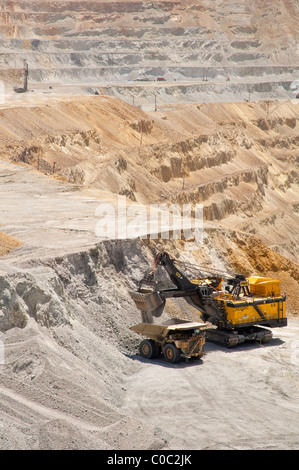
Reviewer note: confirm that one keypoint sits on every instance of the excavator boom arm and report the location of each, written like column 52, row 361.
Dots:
column 151, row 301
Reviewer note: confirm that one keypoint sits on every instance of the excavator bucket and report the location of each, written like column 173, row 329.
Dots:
column 148, row 301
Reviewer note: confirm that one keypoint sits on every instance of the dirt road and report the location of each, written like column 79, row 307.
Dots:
column 241, row 398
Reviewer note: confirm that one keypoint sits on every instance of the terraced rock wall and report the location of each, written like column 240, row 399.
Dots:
column 100, row 41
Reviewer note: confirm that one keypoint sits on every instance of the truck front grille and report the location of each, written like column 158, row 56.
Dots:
column 194, row 346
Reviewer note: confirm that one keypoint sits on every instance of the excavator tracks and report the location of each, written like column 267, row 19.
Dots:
column 230, row 339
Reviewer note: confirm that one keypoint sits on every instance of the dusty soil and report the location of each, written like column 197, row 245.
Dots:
column 241, row 399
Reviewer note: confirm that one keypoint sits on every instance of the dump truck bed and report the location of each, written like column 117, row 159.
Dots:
column 159, row 332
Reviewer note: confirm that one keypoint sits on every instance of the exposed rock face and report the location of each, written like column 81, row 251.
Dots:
column 98, row 41
column 239, row 160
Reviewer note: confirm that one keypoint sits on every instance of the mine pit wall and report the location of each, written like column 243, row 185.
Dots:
column 122, row 41
column 207, row 92
column 56, row 292
column 65, row 326
column 211, row 163
column 257, row 178
column 80, row 68
column 202, row 93
column 65, row 323
column 91, row 287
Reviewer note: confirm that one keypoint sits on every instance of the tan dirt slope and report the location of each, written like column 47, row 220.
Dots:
column 7, row 243
column 237, row 159
column 72, row 378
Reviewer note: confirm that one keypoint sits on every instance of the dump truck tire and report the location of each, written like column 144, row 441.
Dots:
column 158, row 350
column 171, row 353
column 147, row 349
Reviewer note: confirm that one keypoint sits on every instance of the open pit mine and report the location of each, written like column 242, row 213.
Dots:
column 114, row 115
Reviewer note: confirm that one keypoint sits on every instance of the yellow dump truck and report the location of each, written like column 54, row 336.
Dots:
column 176, row 340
